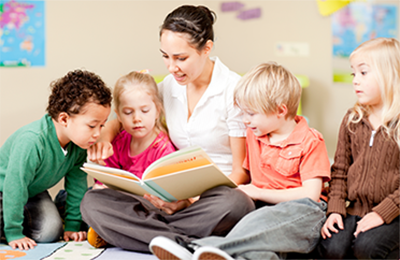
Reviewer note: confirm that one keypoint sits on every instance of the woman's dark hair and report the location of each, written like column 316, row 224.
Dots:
column 71, row 92
column 196, row 21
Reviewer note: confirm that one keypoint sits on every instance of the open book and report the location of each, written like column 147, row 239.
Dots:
column 180, row 175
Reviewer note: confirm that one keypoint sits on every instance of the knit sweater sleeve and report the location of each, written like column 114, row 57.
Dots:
column 388, row 209
column 23, row 161
column 338, row 184
column 76, row 187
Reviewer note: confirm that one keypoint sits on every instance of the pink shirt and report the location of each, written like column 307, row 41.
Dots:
column 137, row 164
column 301, row 156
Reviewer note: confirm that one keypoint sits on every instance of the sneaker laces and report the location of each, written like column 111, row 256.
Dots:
column 191, row 247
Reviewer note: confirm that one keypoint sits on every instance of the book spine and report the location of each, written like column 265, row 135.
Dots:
column 163, row 194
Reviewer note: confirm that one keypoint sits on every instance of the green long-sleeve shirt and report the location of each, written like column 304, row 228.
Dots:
column 32, row 161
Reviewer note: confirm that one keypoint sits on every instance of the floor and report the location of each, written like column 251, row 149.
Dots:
column 70, row 251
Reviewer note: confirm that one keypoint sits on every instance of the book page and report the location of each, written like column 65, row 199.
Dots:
column 123, row 183
column 167, row 169
column 110, row 170
column 189, row 183
column 184, row 155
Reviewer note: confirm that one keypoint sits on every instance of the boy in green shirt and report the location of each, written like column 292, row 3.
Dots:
column 38, row 155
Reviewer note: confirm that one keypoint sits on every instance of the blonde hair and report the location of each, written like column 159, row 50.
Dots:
column 383, row 56
column 267, row 86
column 144, row 82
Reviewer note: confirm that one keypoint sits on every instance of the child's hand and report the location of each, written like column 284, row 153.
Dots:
column 98, row 186
column 168, row 207
column 368, row 222
column 76, row 236
column 100, row 151
column 251, row 191
column 25, row 243
column 333, row 219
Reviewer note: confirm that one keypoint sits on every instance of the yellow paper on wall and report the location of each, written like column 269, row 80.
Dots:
column 328, row 7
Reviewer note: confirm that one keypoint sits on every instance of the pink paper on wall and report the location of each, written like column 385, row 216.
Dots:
column 231, row 6
column 249, row 14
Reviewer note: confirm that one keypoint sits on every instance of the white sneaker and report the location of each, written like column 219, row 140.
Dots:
column 167, row 249
column 211, row 253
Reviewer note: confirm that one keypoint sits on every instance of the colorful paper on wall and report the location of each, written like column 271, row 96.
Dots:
column 231, row 6
column 22, row 33
column 328, row 7
column 360, row 22
column 250, row 14
column 242, row 12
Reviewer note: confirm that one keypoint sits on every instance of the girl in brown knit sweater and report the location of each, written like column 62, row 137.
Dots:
column 363, row 202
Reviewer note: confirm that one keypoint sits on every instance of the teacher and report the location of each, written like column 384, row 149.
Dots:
column 199, row 108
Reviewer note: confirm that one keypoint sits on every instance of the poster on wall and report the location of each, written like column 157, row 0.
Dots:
column 22, row 33
column 359, row 22
column 355, row 24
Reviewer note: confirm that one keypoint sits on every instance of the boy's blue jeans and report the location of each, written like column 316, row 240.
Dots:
column 271, row 232
column 42, row 222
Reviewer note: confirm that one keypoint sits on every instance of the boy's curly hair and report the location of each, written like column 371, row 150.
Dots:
column 71, row 92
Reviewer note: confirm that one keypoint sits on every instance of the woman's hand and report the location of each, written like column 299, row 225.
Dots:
column 76, row 236
column 368, row 222
column 25, row 243
column 333, row 219
column 100, row 151
column 168, row 207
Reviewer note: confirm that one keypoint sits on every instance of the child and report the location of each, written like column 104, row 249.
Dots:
column 145, row 139
column 365, row 173
column 288, row 164
column 140, row 110
column 40, row 154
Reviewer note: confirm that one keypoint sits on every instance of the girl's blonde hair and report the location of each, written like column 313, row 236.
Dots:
column 383, row 56
column 144, row 82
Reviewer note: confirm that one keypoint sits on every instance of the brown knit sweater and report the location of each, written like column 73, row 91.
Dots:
column 366, row 172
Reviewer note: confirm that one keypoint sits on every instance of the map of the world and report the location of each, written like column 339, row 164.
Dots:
column 359, row 22
column 22, row 33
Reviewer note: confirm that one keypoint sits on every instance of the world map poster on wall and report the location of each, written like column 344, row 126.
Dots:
column 359, row 22
column 22, row 33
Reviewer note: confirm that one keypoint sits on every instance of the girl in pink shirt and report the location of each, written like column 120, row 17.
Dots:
column 144, row 138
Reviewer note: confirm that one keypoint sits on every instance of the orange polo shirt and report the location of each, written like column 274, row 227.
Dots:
column 300, row 157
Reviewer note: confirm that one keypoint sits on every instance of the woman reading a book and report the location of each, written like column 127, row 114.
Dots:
column 199, row 108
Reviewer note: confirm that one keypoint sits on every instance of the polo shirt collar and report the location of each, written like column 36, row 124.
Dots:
column 296, row 137
column 220, row 76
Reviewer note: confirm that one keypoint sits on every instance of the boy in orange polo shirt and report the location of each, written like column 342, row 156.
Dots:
column 288, row 164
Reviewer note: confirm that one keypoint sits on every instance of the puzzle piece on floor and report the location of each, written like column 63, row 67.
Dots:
column 76, row 251
column 40, row 251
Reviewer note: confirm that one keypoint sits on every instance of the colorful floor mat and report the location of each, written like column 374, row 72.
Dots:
column 41, row 251
column 75, row 251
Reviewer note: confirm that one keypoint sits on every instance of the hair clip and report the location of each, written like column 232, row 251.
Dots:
column 145, row 71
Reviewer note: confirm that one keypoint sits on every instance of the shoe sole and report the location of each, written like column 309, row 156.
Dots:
column 163, row 254
column 210, row 256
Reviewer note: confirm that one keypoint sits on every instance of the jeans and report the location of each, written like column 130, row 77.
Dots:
column 42, row 222
column 273, row 231
column 378, row 243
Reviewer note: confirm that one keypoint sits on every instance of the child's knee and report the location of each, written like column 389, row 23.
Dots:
column 328, row 249
column 370, row 248
column 50, row 230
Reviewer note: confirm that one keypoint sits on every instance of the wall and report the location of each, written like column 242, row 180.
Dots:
column 112, row 38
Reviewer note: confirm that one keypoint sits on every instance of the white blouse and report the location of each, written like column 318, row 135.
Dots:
column 214, row 119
